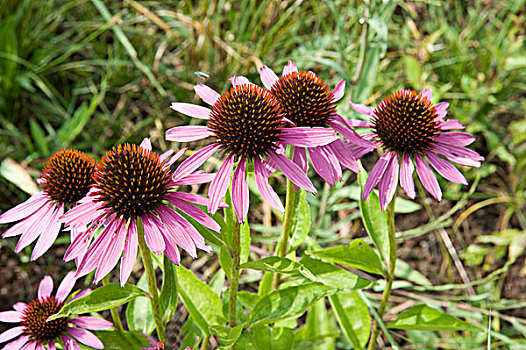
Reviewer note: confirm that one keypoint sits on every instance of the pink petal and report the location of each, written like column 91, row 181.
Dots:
column 85, row 337
column 189, row 197
column 51, row 345
column 195, row 178
column 307, row 136
column 376, row 174
column 11, row 333
column 195, row 213
column 265, row 190
column 451, row 124
column 175, row 232
column 340, row 125
column 79, row 245
column 17, row 344
column 66, row 286
column 45, row 288
column 146, row 144
column 130, row 254
column 188, row 133
column 427, row 177
column 406, row 176
column 38, row 221
column 40, row 346
column 240, row 191
column 194, row 161
column 344, row 156
column 239, row 80
column 455, row 138
column 363, row 109
column 49, row 234
column 190, row 230
column 171, row 250
column 441, row 110
column 69, row 343
column 299, row 157
column 10, row 316
column 426, row 93
column 20, row 306
column 339, row 91
column 289, row 68
column 206, row 93
column 388, row 182
column 445, row 168
column 268, row 77
column 356, row 123
column 154, row 238
column 325, row 164
column 30, row 346
column 191, row 110
column 460, row 155
column 80, row 295
column 292, row 172
column 23, row 210
column 97, row 249
column 219, row 184
column 113, row 251
column 90, row 322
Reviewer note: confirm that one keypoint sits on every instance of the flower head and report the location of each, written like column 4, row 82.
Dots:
column 133, row 186
column 410, row 129
column 308, row 101
column 34, row 332
column 246, row 124
column 66, row 178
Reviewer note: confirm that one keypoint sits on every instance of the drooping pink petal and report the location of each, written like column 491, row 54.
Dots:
column 113, row 251
column 376, row 174
column 171, row 250
column 195, row 212
column 325, row 165
column 292, row 171
column 22, row 226
column 38, row 221
column 45, row 287
column 266, row 191
column 363, row 109
column 23, row 210
column 445, row 168
column 450, row 124
column 388, row 182
column 357, row 123
column 239, row 80
column 191, row 110
column 406, row 176
column 240, row 191
column 85, row 337
column 344, row 155
column 206, row 93
column 441, row 110
column 190, row 230
column 66, row 286
column 154, row 238
column 307, row 136
column 195, row 178
column 455, row 138
column 70, row 343
column 289, row 68
column 339, row 91
column 175, row 232
column 460, row 155
column 426, row 93
column 79, row 245
column 79, row 295
column 90, row 322
column 82, row 214
column 40, row 346
column 17, row 344
column 51, row 345
column 299, row 156
column 188, row 133
column 98, row 247
column 219, row 184
column 189, row 197
column 130, row 254
column 10, row 316
column 268, row 77
column 32, row 345
column 194, row 161
column 339, row 124
column 20, row 306
column 146, row 144
column 11, row 333
column 427, row 177
column 49, row 234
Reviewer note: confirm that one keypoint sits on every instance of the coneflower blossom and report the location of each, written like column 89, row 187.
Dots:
column 34, row 332
column 134, row 185
column 246, row 124
column 410, row 128
column 307, row 101
column 66, row 178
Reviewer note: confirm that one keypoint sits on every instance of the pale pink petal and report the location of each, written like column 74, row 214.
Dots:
column 85, row 337
column 195, row 178
column 113, row 251
column 130, row 254
column 376, row 174
column 340, row 125
column 32, row 345
column 357, row 123
column 268, row 77
column 23, row 210
column 190, row 230
column 363, row 109
column 188, row 133
column 96, row 251
column 189, row 197
column 307, row 136
column 206, row 93
column 240, row 191
column 154, row 238
column 39, row 220
column 289, row 68
column 455, row 138
column 441, row 110
column 344, row 155
column 191, row 110
column 427, row 177
column 12, row 333
column 17, row 344
column 45, row 288
column 20, row 306
column 175, row 232
column 49, row 234
column 426, row 93
column 388, row 182
column 292, row 171
column 194, row 212
column 265, row 190
column 219, row 185
column 10, row 316
column 325, row 165
column 69, row 343
column 339, row 91
column 66, row 286
column 451, row 124
column 90, row 322
column 79, row 245
column 299, row 156
column 460, row 155
column 146, row 144
column 239, row 80
column 445, row 168
column 406, row 176
column 194, row 161
column 171, row 250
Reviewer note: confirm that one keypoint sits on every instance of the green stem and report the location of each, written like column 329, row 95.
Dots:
column 287, row 219
column 389, row 274
column 152, row 283
column 234, row 277
column 204, row 342
column 117, row 323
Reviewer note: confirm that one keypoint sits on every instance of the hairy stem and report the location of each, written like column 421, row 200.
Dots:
column 117, row 323
column 234, row 278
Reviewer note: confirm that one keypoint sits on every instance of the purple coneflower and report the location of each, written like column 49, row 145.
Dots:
column 134, row 185
column 66, row 178
column 34, row 332
column 246, row 124
column 410, row 128
column 307, row 101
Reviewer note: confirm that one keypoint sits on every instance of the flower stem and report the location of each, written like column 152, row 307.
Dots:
column 152, row 283
column 389, row 274
column 204, row 342
column 117, row 323
column 234, row 277
column 287, row 219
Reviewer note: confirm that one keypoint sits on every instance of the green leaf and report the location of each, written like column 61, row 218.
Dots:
column 225, row 260
column 333, row 276
column 169, row 291
column 139, row 314
column 227, row 335
column 274, row 264
column 18, row 175
column 276, row 338
column 117, row 340
column 244, row 242
column 412, row 70
column 301, row 220
column 357, row 254
column 247, row 299
column 287, row 302
column 266, row 284
column 203, row 304
column 403, row 270
column 427, row 318
column 102, row 298
column 318, row 325
column 39, row 137
column 352, row 316
column 71, row 128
